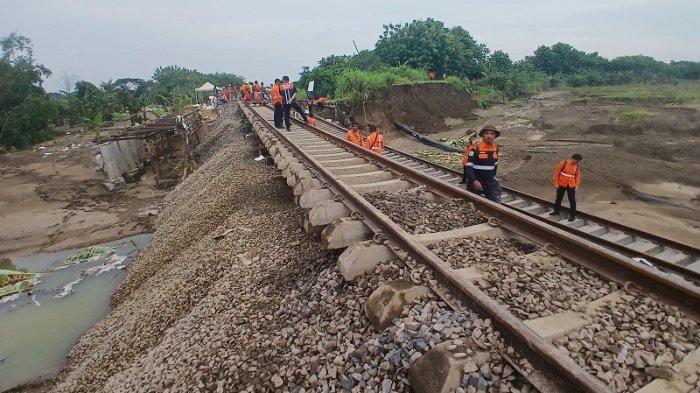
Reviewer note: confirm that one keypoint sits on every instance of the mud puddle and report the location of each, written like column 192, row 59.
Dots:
column 38, row 328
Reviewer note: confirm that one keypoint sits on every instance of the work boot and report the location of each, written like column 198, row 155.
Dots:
column 554, row 213
column 572, row 218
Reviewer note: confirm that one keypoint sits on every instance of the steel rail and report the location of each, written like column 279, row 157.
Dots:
column 671, row 289
column 571, row 377
column 681, row 270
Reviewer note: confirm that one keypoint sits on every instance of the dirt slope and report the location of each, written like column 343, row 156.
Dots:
column 426, row 107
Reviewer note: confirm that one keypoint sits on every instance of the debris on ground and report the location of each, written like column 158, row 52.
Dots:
column 13, row 281
column 88, row 254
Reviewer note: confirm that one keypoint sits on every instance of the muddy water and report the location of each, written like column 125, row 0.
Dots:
column 37, row 331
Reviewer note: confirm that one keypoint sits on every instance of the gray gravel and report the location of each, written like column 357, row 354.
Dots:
column 417, row 214
column 231, row 295
column 532, row 286
column 628, row 344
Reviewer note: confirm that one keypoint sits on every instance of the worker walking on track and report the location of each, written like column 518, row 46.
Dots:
column 375, row 140
column 277, row 102
column 289, row 96
column 482, row 163
column 355, row 136
column 566, row 178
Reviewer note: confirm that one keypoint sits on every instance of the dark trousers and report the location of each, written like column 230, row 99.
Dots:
column 571, row 194
column 491, row 189
column 288, row 109
column 278, row 115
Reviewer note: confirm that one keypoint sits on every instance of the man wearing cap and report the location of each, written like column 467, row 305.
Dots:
column 482, row 163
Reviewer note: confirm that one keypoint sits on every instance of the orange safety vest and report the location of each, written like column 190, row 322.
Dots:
column 355, row 137
column 375, row 142
column 276, row 95
column 566, row 174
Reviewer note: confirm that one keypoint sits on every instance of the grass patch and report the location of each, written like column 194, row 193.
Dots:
column 634, row 117
column 356, row 85
column 681, row 93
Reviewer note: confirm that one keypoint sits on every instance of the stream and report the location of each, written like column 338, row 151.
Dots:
column 38, row 329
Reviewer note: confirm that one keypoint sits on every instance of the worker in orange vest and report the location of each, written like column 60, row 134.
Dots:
column 277, row 102
column 375, row 140
column 289, row 101
column 566, row 178
column 355, row 136
column 482, row 163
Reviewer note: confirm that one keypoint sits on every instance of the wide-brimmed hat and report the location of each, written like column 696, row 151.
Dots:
column 489, row 127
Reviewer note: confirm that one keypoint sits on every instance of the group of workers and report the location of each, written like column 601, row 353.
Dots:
column 480, row 159
column 254, row 92
column 480, row 162
column 374, row 141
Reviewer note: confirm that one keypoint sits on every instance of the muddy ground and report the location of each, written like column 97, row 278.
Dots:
column 643, row 174
column 52, row 198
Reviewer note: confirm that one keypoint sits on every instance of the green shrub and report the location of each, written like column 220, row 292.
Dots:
column 634, row 117
column 356, row 85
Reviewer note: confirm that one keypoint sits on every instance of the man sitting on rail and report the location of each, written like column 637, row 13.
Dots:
column 482, row 163
column 375, row 140
column 566, row 178
column 355, row 136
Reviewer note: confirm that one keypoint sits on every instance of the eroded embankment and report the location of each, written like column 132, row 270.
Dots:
column 232, row 295
column 190, row 302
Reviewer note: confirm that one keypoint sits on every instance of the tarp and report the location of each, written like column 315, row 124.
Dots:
column 206, row 87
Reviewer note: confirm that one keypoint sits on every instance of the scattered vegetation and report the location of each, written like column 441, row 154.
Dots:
column 634, row 117
column 27, row 112
column 683, row 92
column 454, row 57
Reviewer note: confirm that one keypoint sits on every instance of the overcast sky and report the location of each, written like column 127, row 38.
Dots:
column 99, row 39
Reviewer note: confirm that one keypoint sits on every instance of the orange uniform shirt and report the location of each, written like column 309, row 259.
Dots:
column 567, row 174
column 355, row 137
column 276, row 95
column 375, row 142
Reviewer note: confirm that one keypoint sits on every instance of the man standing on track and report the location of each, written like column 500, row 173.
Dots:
column 566, row 178
column 289, row 96
column 277, row 102
column 375, row 140
column 482, row 163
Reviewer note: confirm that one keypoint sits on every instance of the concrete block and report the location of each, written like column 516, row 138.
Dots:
column 345, row 232
column 388, row 300
column 366, row 177
column 314, row 196
column 361, row 258
column 305, row 184
column 327, row 211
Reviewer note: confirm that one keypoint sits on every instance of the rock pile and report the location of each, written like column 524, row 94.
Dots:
column 533, row 285
column 482, row 251
column 417, row 214
column 232, row 295
column 629, row 343
column 538, row 286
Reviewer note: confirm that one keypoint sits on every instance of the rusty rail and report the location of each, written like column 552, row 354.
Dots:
column 543, row 354
column 662, row 264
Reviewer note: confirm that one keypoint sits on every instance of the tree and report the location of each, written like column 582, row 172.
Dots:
column 429, row 45
column 499, row 61
column 68, row 82
column 563, row 58
column 132, row 95
column 25, row 109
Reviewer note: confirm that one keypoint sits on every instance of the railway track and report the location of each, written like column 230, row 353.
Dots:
column 333, row 180
column 665, row 254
